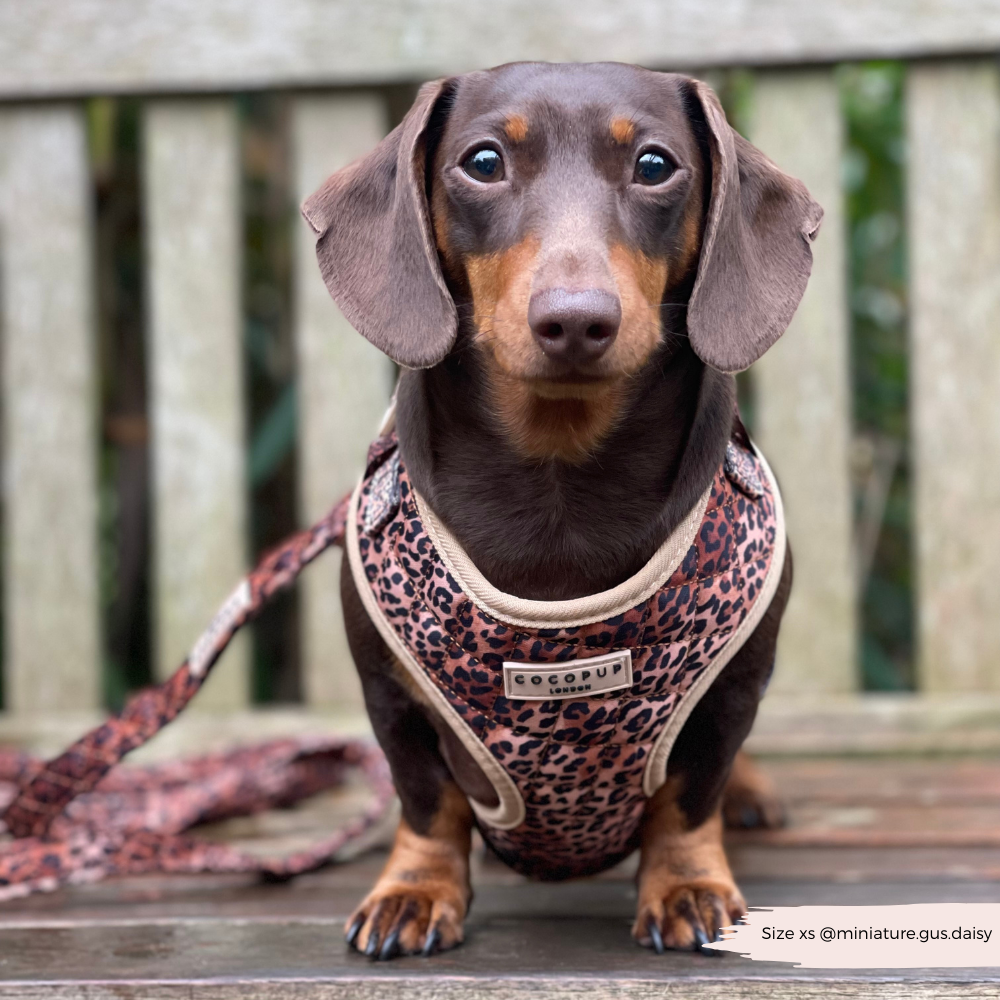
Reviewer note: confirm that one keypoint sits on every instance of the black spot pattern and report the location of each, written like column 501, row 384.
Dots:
column 578, row 763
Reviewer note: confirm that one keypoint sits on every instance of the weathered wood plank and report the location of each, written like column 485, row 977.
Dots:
column 825, row 724
column 786, row 726
column 803, row 394
column 146, row 936
column 343, row 383
column 786, row 876
column 915, row 867
column 520, row 951
column 373, row 986
column 932, row 782
column 94, row 46
column 858, row 825
column 953, row 188
column 193, row 236
column 52, row 653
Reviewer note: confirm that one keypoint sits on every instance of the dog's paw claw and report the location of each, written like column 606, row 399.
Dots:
column 351, row 934
column 688, row 918
column 404, row 922
column 431, row 943
column 391, row 947
column 655, row 936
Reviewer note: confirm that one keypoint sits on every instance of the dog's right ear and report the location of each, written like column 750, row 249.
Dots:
column 756, row 250
column 375, row 247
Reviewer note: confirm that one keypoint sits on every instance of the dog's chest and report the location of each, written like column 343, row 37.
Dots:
column 570, row 708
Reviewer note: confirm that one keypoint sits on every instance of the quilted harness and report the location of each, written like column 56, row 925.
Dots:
column 570, row 708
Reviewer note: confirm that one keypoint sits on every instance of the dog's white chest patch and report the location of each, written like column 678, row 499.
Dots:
column 582, row 678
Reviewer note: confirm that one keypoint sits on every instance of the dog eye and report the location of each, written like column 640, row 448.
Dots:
column 484, row 165
column 652, row 168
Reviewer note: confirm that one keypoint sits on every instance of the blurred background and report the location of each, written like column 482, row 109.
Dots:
column 179, row 393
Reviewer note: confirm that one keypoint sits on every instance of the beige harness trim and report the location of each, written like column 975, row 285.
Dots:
column 656, row 767
column 509, row 812
column 562, row 614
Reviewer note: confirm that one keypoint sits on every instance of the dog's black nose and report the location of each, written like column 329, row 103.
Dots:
column 574, row 327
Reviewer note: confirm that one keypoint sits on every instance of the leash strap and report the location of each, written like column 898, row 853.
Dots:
column 59, row 839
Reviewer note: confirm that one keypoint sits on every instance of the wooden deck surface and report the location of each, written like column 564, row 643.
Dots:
column 862, row 831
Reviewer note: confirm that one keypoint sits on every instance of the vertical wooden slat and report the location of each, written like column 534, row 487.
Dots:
column 953, row 190
column 344, row 385
column 803, row 394
column 193, row 234
column 52, row 653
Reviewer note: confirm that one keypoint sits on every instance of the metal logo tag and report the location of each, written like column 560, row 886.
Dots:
column 593, row 675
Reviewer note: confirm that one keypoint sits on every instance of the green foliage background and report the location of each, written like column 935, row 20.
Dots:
column 874, row 164
column 874, row 160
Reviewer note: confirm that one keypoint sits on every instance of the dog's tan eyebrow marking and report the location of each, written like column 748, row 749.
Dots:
column 622, row 130
column 516, row 127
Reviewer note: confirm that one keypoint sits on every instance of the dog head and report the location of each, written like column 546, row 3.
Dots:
column 549, row 214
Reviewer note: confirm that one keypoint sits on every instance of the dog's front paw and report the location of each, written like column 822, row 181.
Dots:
column 686, row 916
column 399, row 919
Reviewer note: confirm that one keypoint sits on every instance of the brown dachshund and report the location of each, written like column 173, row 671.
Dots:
column 569, row 262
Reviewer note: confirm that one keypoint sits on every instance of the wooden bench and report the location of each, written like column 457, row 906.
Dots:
column 338, row 62
column 862, row 832
column 336, row 59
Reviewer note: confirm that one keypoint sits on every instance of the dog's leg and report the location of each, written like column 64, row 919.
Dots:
column 750, row 798
column 420, row 900
column 686, row 890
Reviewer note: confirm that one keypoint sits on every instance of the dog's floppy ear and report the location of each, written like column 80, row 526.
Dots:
column 375, row 247
column 755, row 254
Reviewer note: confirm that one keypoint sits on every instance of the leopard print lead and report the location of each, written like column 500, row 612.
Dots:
column 71, row 820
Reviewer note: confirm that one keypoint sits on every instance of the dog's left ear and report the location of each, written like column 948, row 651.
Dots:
column 375, row 247
column 755, row 253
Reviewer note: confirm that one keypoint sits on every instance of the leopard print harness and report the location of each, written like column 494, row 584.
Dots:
column 571, row 773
